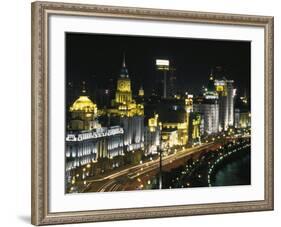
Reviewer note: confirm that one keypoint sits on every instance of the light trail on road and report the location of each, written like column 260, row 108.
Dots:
column 143, row 168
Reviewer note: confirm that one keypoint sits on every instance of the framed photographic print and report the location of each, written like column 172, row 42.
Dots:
column 145, row 113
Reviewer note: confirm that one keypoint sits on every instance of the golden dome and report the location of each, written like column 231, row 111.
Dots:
column 83, row 103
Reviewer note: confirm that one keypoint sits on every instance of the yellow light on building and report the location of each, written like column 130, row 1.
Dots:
column 141, row 92
column 84, row 104
column 219, row 88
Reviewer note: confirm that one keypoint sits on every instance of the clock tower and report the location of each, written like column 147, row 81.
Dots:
column 124, row 92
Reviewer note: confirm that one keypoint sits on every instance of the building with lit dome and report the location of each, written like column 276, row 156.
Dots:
column 87, row 141
column 83, row 114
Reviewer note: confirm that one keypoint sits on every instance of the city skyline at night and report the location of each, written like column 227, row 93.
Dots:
column 95, row 57
column 148, row 113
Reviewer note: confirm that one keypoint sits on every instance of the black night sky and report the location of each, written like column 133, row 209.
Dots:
column 98, row 58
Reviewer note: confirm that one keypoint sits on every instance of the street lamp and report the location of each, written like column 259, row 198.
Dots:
column 159, row 151
column 160, row 168
column 163, row 65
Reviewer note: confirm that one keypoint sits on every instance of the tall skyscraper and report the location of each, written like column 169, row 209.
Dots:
column 230, row 96
column 208, row 106
column 209, row 111
column 171, row 83
column 163, row 65
column 226, row 94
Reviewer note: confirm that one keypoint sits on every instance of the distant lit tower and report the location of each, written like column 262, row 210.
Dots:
column 141, row 92
column 171, row 83
column 124, row 92
column 164, row 66
column 231, row 94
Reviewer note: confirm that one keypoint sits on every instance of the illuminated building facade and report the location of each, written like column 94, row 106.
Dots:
column 127, row 113
column 83, row 114
column 189, row 103
column 124, row 92
column 209, row 110
column 86, row 140
column 242, row 113
column 226, row 94
column 242, row 119
column 222, row 89
column 152, row 133
column 124, row 104
column 245, row 120
column 141, row 92
column 231, row 92
column 169, row 137
column 87, row 147
column 194, row 131
column 176, row 120
column 133, row 132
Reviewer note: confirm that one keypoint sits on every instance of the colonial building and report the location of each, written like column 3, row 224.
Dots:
column 189, row 103
column 86, row 140
column 173, row 115
column 242, row 117
column 127, row 113
column 194, row 131
column 226, row 103
column 209, row 111
column 152, row 134
column 221, row 89
column 83, row 114
column 169, row 137
column 86, row 147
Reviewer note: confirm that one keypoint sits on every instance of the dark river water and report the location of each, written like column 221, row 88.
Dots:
column 236, row 171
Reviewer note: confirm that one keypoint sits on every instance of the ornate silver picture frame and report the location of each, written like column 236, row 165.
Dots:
column 41, row 77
